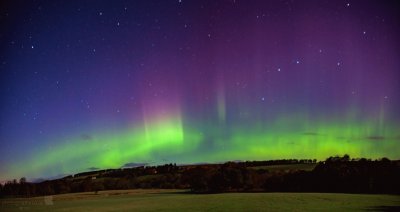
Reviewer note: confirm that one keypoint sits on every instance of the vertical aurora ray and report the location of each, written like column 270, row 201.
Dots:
column 221, row 108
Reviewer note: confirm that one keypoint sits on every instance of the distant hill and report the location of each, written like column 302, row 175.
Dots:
column 335, row 174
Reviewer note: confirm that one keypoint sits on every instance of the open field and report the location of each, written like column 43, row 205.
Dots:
column 178, row 200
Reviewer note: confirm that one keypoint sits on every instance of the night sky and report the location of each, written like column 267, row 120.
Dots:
column 90, row 85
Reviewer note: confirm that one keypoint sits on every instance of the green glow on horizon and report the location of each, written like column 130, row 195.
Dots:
column 293, row 136
column 112, row 150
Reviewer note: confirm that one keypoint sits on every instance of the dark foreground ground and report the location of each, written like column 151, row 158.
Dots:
column 179, row 200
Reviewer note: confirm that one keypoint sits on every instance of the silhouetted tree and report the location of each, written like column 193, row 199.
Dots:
column 22, row 180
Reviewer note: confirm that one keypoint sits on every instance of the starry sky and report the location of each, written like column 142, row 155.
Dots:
column 89, row 85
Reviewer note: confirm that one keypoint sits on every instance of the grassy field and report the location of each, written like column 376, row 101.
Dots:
column 176, row 200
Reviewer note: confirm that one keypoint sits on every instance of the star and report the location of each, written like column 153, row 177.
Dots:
column 262, row 99
column 100, row 13
column 348, row 4
column 279, row 69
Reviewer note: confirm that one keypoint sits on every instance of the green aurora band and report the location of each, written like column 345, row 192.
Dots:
column 168, row 139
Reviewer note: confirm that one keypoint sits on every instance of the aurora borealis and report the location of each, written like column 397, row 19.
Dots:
column 100, row 84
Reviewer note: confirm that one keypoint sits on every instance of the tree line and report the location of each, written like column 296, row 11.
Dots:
column 335, row 174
